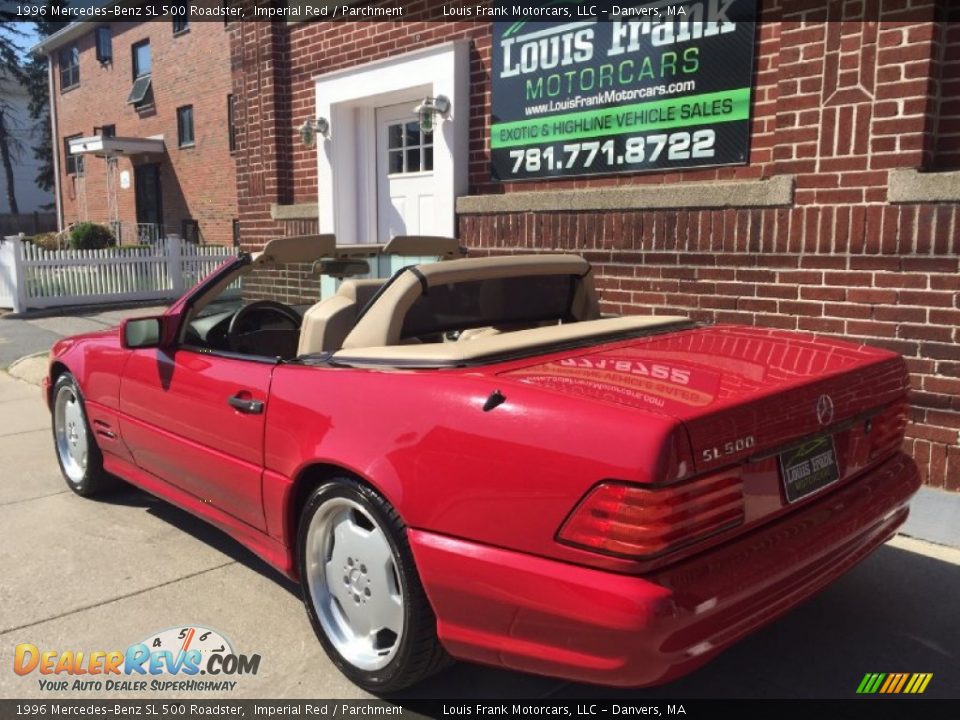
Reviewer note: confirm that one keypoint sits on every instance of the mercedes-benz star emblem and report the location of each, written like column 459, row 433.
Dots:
column 825, row 410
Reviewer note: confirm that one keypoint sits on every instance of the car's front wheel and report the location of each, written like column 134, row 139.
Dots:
column 77, row 453
column 362, row 591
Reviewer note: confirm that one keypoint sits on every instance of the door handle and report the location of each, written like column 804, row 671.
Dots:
column 246, row 405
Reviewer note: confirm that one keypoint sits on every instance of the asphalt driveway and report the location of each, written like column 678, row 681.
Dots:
column 101, row 575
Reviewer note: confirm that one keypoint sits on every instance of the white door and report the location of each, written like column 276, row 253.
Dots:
column 405, row 187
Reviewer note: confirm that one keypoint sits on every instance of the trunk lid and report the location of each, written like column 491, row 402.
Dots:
column 745, row 393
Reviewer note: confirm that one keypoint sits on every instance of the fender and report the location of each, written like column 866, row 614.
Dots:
column 424, row 442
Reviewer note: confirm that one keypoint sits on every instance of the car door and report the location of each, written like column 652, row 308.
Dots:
column 196, row 420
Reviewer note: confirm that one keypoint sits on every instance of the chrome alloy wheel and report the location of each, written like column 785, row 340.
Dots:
column 70, row 430
column 353, row 580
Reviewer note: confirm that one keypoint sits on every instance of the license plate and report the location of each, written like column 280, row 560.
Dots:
column 809, row 467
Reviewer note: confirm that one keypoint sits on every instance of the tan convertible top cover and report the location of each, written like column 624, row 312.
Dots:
column 445, row 354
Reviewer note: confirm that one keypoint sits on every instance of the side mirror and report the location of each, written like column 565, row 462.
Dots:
column 141, row 332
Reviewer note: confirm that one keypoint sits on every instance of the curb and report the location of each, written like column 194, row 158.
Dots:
column 30, row 368
column 83, row 310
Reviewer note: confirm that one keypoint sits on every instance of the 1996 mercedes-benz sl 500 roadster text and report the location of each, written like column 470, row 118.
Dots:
column 469, row 460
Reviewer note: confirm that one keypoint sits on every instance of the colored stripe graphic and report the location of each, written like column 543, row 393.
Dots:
column 891, row 680
column 862, row 687
column 903, row 679
column 894, row 683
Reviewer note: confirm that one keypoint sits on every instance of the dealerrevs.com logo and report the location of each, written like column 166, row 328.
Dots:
column 171, row 660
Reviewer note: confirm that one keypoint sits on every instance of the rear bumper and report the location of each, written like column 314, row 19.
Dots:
column 537, row 615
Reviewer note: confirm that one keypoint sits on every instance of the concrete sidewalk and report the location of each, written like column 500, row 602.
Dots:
column 934, row 517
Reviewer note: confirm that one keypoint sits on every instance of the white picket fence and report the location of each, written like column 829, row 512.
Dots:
column 31, row 277
column 8, row 278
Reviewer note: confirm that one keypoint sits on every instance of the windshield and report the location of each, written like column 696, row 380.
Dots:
column 231, row 299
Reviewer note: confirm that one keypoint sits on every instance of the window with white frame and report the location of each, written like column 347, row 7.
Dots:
column 408, row 149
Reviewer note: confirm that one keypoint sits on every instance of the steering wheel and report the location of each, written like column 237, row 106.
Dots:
column 238, row 323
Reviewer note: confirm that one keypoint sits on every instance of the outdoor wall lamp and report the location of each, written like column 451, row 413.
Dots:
column 311, row 128
column 440, row 105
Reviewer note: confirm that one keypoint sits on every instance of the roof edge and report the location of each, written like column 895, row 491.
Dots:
column 61, row 37
column 76, row 28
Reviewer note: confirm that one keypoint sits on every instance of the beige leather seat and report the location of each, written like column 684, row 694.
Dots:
column 326, row 324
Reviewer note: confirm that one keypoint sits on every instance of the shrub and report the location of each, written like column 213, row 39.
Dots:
column 46, row 241
column 90, row 236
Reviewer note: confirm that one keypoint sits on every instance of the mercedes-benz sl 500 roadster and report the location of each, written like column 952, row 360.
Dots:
column 470, row 460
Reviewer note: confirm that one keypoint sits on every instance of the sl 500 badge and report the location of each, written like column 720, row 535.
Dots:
column 729, row 448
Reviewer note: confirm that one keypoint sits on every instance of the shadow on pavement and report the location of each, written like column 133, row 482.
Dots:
column 130, row 496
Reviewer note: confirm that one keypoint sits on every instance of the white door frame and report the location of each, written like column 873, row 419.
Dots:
column 346, row 159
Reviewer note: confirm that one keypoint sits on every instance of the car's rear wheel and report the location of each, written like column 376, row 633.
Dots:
column 362, row 591
column 77, row 453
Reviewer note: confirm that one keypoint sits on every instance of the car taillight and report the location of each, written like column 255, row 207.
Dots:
column 630, row 520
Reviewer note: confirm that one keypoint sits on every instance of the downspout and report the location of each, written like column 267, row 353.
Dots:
column 58, row 189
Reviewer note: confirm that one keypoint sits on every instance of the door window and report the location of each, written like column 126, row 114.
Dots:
column 408, row 149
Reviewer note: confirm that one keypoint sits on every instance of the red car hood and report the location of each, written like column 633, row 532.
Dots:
column 726, row 383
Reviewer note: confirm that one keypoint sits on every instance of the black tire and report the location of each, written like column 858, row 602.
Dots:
column 417, row 652
column 89, row 479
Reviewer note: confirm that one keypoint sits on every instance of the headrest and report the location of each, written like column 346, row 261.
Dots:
column 296, row 249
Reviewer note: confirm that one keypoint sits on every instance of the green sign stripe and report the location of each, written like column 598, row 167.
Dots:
column 514, row 28
column 863, row 683
column 877, row 682
column 621, row 119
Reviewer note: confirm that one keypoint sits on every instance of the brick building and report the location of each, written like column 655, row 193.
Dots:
column 842, row 219
column 142, row 116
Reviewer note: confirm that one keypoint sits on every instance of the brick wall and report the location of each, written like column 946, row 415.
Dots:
column 189, row 69
column 839, row 101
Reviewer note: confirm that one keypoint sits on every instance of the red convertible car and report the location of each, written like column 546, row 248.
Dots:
column 469, row 460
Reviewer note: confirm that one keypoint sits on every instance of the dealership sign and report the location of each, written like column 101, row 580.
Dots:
column 654, row 86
